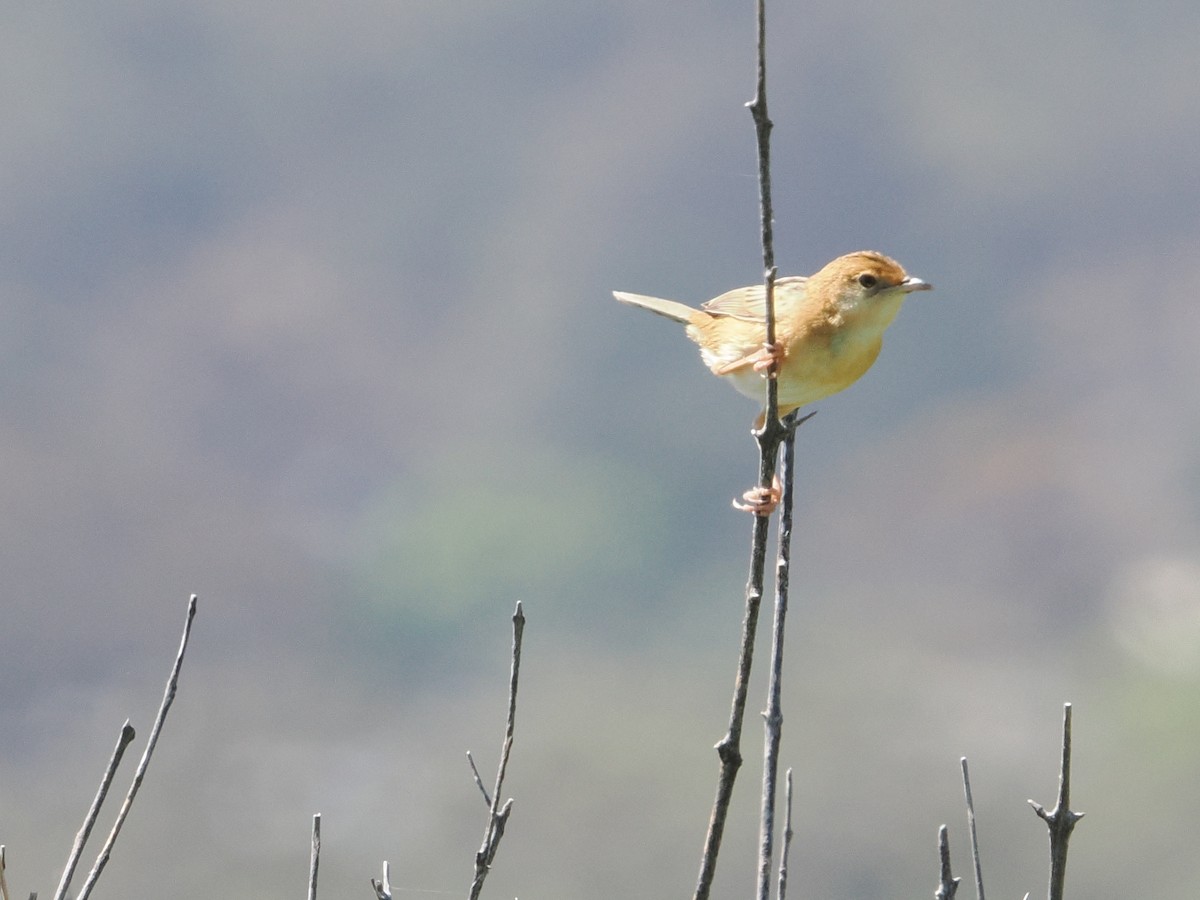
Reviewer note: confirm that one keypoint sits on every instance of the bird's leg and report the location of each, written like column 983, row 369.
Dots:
column 761, row 501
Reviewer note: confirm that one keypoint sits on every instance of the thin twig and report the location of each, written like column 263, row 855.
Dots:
column 487, row 800
column 763, row 126
column 768, row 438
column 123, row 740
column 1061, row 820
column 315, row 860
column 947, row 883
column 140, row 773
column 383, row 889
column 971, row 829
column 729, row 747
column 787, row 835
column 498, row 815
column 772, row 432
column 3, row 881
column 773, row 716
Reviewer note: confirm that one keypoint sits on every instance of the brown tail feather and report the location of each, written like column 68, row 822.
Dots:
column 679, row 312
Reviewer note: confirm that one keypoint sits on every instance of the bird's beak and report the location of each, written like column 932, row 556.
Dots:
column 908, row 285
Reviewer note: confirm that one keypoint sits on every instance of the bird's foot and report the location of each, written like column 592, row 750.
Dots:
column 767, row 359
column 761, row 501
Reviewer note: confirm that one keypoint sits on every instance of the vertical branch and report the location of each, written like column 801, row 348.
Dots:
column 768, row 438
column 497, row 814
column 787, row 836
column 315, row 860
column 140, row 772
column 383, row 889
column 126, row 737
column 762, row 128
column 971, row 828
column 947, row 883
column 772, row 432
column 729, row 747
column 773, row 716
column 1061, row 820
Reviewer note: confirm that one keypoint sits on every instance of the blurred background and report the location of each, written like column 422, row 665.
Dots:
column 305, row 308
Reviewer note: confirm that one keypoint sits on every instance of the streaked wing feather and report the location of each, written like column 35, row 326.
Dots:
column 749, row 303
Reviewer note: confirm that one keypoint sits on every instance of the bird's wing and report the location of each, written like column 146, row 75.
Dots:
column 749, row 303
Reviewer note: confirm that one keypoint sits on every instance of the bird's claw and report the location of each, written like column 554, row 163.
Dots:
column 767, row 359
column 761, row 501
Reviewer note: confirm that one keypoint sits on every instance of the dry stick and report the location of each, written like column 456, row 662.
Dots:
column 1060, row 820
column 383, row 889
column 497, row 815
column 947, row 884
column 315, row 860
column 123, row 740
column 971, row 828
column 768, row 438
column 773, row 717
column 787, row 836
column 773, row 431
column 728, row 749
column 140, row 773
column 487, row 799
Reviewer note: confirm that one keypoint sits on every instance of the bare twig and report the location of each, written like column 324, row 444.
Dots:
column 971, row 828
column 498, row 815
column 762, row 130
column 773, row 716
column 315, row 860
column 947, row 883
column 123, row 740
column 787, row 836
column 729, row 747
column 487, row 800
column 140, row 773
column 768, row 438
column 772, row 431
column 1061, row 820
column 383, row 889
column 3, row 881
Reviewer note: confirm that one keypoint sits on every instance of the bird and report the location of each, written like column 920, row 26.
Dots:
column 828, row 332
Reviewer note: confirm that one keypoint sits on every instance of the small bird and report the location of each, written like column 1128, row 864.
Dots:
column 828, row 331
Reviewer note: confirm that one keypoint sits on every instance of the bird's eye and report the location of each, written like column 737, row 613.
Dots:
column 867, row 280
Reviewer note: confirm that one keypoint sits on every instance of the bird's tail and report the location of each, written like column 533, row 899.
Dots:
column 672, row 309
